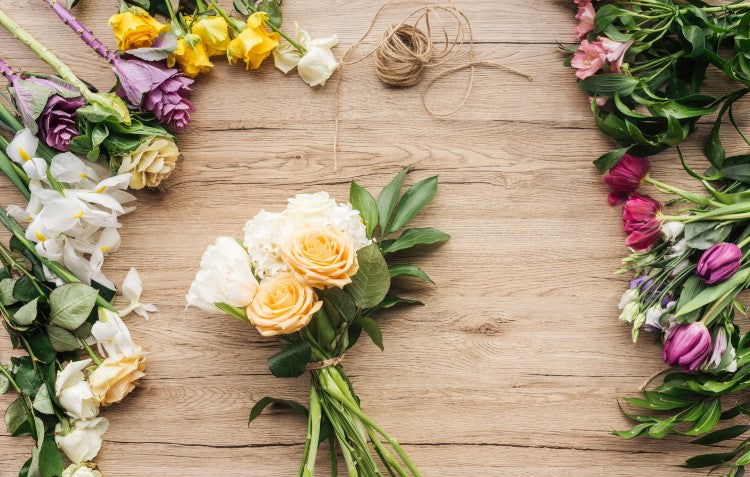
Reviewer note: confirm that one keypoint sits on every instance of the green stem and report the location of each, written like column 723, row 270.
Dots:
column 223, row 14
column 23, row 397
column 44, row 54
column 10, row 379
column 300, row 49
column 313, row 431
column 90, row 351
column 699, row 199
column 351, row 467
column 9, row 257
column 28, row 349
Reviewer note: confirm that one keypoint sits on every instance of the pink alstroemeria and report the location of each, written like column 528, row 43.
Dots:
column 588, row 59
column 585, row 17
column 615, row 51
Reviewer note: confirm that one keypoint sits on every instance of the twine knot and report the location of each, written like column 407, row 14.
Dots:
column 326, row 363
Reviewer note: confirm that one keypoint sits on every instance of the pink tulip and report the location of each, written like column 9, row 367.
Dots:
column 687, row 346
column 615, row 51
column 641, row 221
column 720, row 262
column 625, row 177
column 588, row 59
column 585, row 17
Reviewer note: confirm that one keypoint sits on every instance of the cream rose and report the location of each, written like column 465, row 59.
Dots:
column 81, row 470
column 151, row 162
column 83, row 440
column 117, row 377
column 321, row 257
column 282, row 306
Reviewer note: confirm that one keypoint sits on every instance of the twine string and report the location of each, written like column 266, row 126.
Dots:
column 326, row 363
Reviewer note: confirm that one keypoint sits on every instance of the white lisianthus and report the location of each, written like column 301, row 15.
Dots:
column 262, row 237
column 226, row 276
column 132, row 288
column 630, row 312
column 74, row 393
column 316, row 65
column 630, row 295
column 83, row 440
column 81, row 470
column 112, row 336
column 653, row 318
column 671, row 231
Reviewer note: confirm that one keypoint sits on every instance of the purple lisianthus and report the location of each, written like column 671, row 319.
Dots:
column 165, row 92
column 687, row 346
column 57, row 123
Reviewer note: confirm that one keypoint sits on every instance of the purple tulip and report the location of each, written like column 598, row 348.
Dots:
column 687, row 346
column 719, row 263
column 57, row 123
column 156, row 89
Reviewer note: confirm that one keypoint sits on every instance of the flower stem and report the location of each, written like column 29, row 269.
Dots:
column 302, row 50
column 10, row 379
column 691, row 196
column 44, row 54
column 223, row 14
column 313, row 432
column 90, row 351
column 86, row 35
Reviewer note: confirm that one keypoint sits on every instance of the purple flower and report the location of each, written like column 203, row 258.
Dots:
column 687, row 346
column 165, row 92
column 57, row 123
column 719, row 263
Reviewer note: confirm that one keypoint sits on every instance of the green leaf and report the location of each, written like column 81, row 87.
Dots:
column 697, row 39
column 27, row 313
column 16, row 419
column 291, row 361
column 413, row 201
column 413, row 237
column 608, row 85
column 338, row 304
column 4, row 384
column 42, row 347
column 62, row 340
column 6, row 291
column 50, row 459
column 392, row 300
column 634, row 431
column 363, row 201
column 702, row 235
column 608, row 160
column 26, row 377
column 273, row 9
column 263, row 403
column 387, row 200
column 715, row 292
column 709, row 460
column 241, row 8
column 708, row 420
column 42, row 401
column 722, row 435
column 373, row 331
column 372, row 281
column 407, row 270
column 24, row 290
column 71, row 304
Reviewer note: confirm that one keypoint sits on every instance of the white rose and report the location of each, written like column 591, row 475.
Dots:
column 225, row 276
column 74, row 393
column 321, row 209
column 84, row 439
column 316, row 65
column 308, row 208
column 81, row 470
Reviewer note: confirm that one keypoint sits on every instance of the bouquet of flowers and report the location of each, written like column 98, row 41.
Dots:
column 644, row 64
column 314, row 276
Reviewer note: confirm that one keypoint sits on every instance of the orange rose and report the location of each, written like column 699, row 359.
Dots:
column 321, row 257
column 282, row 306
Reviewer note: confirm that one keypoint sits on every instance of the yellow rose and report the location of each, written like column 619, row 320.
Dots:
column 135, row 29
column 254, row 43
column 321, row 257
column 116, row 378
column 214, row 33
column 151, row 162
column 282, row 306
column 193, row 59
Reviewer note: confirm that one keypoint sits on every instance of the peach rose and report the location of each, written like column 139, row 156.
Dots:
column 116, row 377
column 282, row 306
column 321, row 257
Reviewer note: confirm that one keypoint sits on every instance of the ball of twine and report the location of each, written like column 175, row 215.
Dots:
column 402, row 56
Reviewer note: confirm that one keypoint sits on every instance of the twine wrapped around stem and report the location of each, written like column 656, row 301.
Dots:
column 326, row 363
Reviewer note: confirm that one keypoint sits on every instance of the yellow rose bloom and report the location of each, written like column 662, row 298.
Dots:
column 135, row 29
column 214, row 33
column 282, row 306
column 116, row 378
column 254, row 43
column 321, row 257
column 150, row 163
column 193, row 60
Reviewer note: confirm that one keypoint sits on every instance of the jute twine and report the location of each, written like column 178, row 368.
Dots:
column 326, row 363
column 407, row 50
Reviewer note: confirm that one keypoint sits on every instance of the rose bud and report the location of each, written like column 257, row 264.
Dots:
column 640, row 220
column 719, row 263
column 625, row 177
column 687, row 346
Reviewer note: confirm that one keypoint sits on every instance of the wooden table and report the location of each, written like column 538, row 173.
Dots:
column 514, row 365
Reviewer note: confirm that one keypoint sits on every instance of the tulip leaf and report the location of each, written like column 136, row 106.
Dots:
column 62, row 340
column 27, row 313
column 703, row 235
column 413, row 237
column 42, row 401
column 363, row 201
column 713, row 293
column 407, row 270
column 413, row 201
column 373, row 331
column 291, row 361
column 387, row 200
column 372, row 281
column 266, row 401
column 608, row 160
column 71, row 304
column 16, row 418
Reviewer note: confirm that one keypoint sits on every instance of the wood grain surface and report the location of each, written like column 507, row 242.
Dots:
column 515, row 364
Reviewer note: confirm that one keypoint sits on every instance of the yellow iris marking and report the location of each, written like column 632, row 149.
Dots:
column 82, row 175
column 41, row 237
column 101, row 189
column 78, row 215
column 104, row 249
column 24, row 155
column 29, row 219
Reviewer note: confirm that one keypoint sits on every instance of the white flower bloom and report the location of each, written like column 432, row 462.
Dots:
column 84, row 439
column 629, row 296
column 653, row 318
column 630, row 312
column 316, row 65
column 308, row 208
column 23, row 146
column 671, row 231
column 678, row 249
column 225, row 276
column 680, row 267
column 263, row 234
column 74, row 393
column 132, row 288
column 111, row 335
column 81, row 470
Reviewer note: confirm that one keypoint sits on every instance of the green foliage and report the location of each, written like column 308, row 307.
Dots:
column 372, row 281
column 291, row 361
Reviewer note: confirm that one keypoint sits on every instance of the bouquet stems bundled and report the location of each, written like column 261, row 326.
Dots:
column 314, row 276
